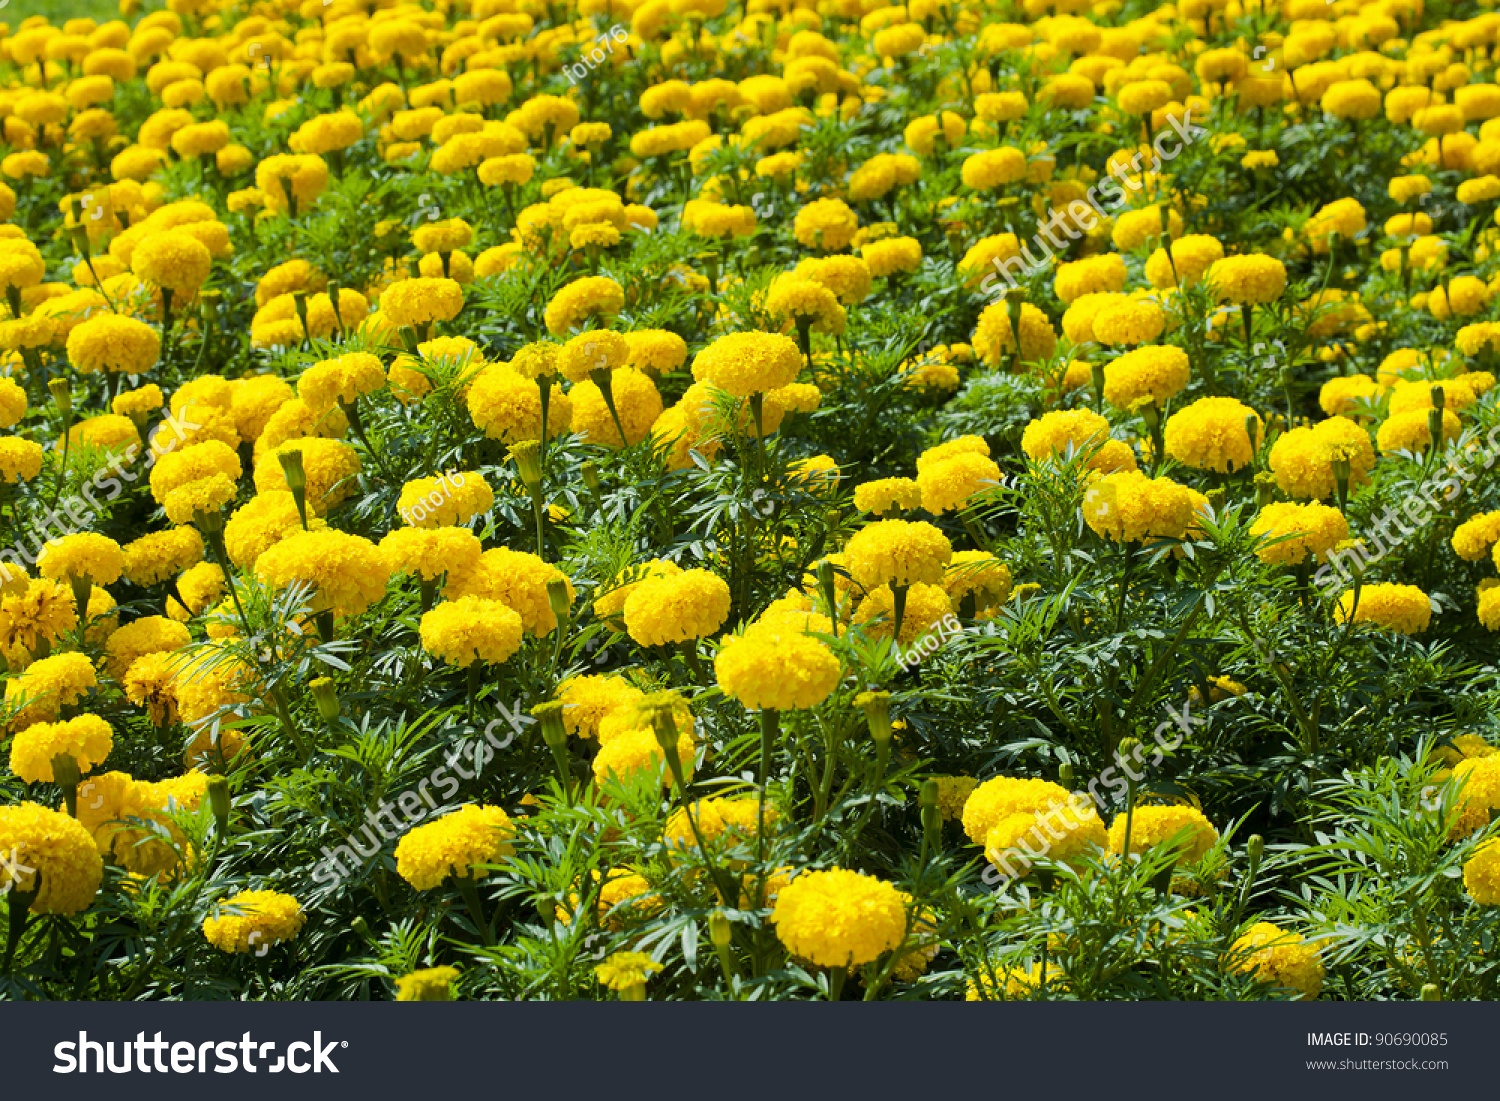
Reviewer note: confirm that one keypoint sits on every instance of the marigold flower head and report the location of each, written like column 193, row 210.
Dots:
column 1129, row 507
column 455, row 844
column 347, row 573
column 779, row 671
column 1251, row 280
column 1405, row 609
column 251, row 921
column 742, row 364
column 839, row 918
column 1158, row 372
column 994, row 800
column 1212, row 434
column 677, row 608
column 471, row 629
column 431, row 984
column 1280, row 958
column 87, row 739
column 517, row 579
column 47, row 843
column 898, row 552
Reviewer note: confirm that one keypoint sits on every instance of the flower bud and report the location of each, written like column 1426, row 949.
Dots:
column 326, row 696
column 62, row 394
column 591, row 477
column 65, row 770
column 720, row 929
column 554, row 733
column 1431, row 992
column 527, row 456
column 296, row 475
column 1066, row 775
column 877, row 709
column 218, row 801
column 557, row 597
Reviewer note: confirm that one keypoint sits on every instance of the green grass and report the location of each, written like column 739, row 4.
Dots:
column 59, row 12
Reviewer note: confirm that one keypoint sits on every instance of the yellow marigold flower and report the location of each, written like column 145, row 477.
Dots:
column 994, row 800
column 12, row 402
column 455, row 844
column 421, row 301
column 992, row 168
column 1128, row 507
column 1338, row 394
column 839, row 918
column 926, row 606
column 471, row 629
column 1247, row 280
column 1279, row 957
column 655, row 350
column 507, row 406
column 898, row 552
column 1482, row 874
column 637, row 401
column 431, row 552
column 19, row 459
column 1014, row 983
column 331, row 467
column 977, row 572
column 85, row 555
column 1142, row 228
column 173, row 260
column 49, row 844
column 253, row 921
column 995, row 342
column 892, row 256
column 625, row 972
column 635, row 753
column 1402, row 608
column 205, row 495
column 1303, row 458
column 1409, row 431
column 50, row 685
column 887, row 495
column 1128, row 321
column 1157, row 372
column 592, row 296
column 742, row 364
column 588, row 700
column 432, row 984
column 1062, row 831
column 1475, row 537
column 87, row 739
column 342, row 380
column 825, row 224
column 781, row 671
column 1294, row 531
column 109, row 342
column 730, row 820
column 1064, row 432
column 848, row 277
column 921, row 133
column 147, row 635
column 677, row 608
column 1184, row 828
column 256, row 526
column 1141, row 97
column 347, row 573
column 1211, row 434
column 1352, row 99
column 953, row 793
column 950, row 485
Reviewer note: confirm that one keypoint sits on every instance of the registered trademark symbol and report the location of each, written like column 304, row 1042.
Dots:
column 343, row 1043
